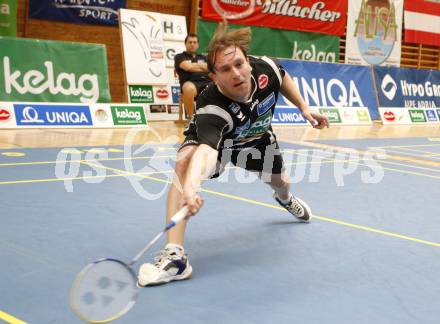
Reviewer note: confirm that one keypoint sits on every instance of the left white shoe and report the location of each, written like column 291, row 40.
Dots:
column 171, row 264
column 296, row 207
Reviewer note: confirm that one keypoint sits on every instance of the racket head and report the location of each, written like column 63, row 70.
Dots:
column 103, row 291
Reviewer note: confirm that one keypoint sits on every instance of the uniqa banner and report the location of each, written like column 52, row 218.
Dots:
column 325, row 16
column 334, row 89
column 283, row 43
column 52, row 71
column 408, row 95
column 79, row 11
column 374, row 30
column 8, row 18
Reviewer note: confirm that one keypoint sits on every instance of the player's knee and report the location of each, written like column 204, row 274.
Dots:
column 189, row 89
column 183, row 160
column 181, row 166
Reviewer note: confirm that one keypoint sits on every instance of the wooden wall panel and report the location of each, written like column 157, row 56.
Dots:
column 412, row 55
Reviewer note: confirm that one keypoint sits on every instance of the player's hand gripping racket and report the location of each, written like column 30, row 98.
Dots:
column 107, row 288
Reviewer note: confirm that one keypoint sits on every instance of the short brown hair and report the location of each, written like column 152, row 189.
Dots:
column 191, row 35
column 224, row 37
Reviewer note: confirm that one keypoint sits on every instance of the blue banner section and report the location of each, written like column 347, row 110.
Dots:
column 103, row 12
column 288, row 115
column 175, row 92
column 407, row 88
column 329, row 85
column 52, row 115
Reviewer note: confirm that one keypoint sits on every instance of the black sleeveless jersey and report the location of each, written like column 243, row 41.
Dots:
column 221, row 122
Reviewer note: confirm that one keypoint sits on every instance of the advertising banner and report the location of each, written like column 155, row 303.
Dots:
column 118, row 115
column 103, row 12
column 171, row 49
column 8, row 18
column 143, row 47
column 408, row 95
column 174, row 27
column 7, row 116
column 52, row 71
column 422, row 21
column 281, row 43
column 150, row 43
column 342, row 92
column 71, row 115
column 325, row 16
column 374, row 30
column 52, row 115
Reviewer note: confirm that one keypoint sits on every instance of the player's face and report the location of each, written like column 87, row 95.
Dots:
column 192, row 45
column 232, row 73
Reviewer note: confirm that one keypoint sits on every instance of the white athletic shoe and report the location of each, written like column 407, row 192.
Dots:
column 296, row 207
column 170, row 264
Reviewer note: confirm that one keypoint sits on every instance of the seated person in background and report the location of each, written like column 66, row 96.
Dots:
column 193, row 72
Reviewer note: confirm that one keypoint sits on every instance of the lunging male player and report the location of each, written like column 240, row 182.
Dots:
column 232, row 123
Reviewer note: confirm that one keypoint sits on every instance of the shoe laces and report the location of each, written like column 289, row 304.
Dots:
column 166, row 255
column 295, row 207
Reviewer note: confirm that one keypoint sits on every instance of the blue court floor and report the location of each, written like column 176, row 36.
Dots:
column 370, row 255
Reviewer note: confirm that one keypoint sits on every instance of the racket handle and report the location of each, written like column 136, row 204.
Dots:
column 177, row 218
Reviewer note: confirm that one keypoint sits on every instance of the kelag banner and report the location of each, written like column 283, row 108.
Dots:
column 325, row 16
column 79, row 11
column 52, row 71
column 281, row 43
column 345, row 93
column 8, row 18
column 408, row 95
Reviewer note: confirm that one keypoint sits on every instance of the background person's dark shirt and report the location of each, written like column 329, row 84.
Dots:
column 189, row 76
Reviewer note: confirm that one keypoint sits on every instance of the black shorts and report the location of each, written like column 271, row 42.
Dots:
column 263, row 158
column 200, row 85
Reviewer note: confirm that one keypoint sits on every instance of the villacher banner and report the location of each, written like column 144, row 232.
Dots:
column 326, row 16
column 284, row 43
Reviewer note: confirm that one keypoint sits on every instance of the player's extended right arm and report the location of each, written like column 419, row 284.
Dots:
column 202, row 165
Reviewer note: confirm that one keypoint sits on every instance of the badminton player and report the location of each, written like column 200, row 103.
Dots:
column 232, row 124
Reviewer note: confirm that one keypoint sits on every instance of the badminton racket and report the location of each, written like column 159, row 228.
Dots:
column 106, row 289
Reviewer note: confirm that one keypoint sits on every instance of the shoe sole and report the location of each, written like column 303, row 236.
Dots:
column 187, row 274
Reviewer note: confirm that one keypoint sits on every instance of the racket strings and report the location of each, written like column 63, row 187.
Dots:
column 104, row 291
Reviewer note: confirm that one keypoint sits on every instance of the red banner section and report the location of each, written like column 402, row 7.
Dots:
column 326, row 16
column 422, row 21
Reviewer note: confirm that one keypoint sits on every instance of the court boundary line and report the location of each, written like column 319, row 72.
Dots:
column 347, row 224
column 405, row 146
column 8, row 318
column 349, row 149
column 327, row 219
column 326, row 160
column 411, row 154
